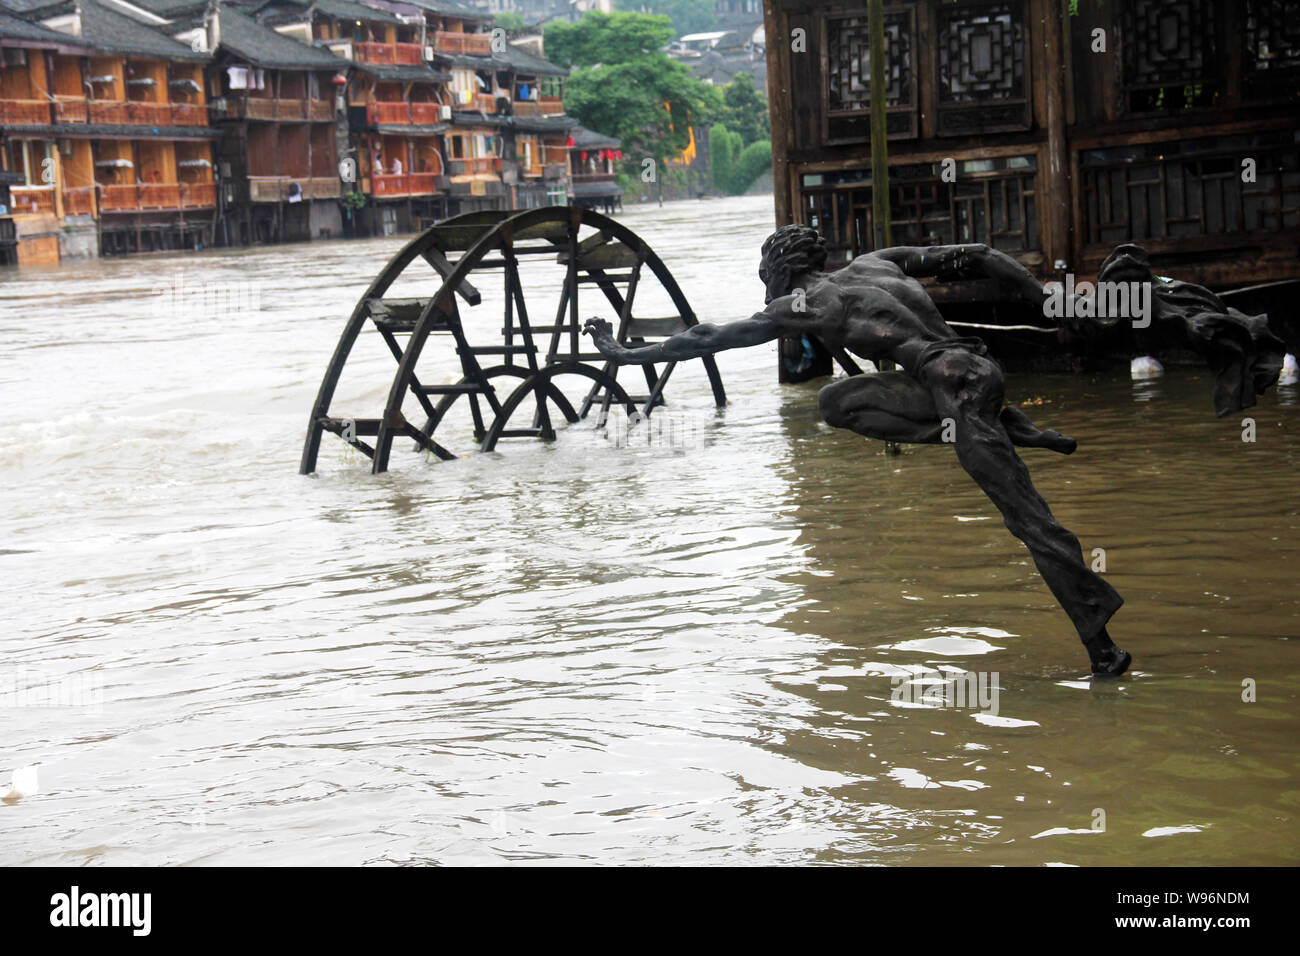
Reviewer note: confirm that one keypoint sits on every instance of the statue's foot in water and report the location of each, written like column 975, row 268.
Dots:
column 1023, row 432
column 1057, row 442
column 1107, row 659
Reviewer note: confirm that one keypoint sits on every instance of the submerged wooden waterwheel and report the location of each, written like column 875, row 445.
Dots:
column 536, row 362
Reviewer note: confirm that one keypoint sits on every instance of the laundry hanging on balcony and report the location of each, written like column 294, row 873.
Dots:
column 114, row 164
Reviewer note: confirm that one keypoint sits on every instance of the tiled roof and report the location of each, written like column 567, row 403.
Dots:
column 526, row 62
column 262, row 46
column 403, row 74
column 24, row 31
column 450, row 8
column 111, row 32
column 584, row 138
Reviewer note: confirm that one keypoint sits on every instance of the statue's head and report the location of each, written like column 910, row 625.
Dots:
column 1128, row 263
column 788, row 253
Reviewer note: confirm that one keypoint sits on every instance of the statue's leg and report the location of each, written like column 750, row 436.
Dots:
column 1026, row 434
column 968, row 388
column 893, row 406
column 890, row 406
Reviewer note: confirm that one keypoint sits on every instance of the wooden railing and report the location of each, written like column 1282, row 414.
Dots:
column 267, row 108
column 527, row 108
column 108, row 111
column 31, row 200
column 77, row 109
column 276, row 188
column 463, row 44
column 400, row 54
column 189, row 114
column 402, row 113
column 473, row 167
column 593, row 178
column 399, row 112
column 79, row 202
column 198, row 195
column 129, row 198
column 552, row 104
column 403, row 184
column 148, row 114
column 427, row 113
column 320, row 110
column 25, row 112
column 71, row 109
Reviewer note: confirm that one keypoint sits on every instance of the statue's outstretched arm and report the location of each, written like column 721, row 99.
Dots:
column 970, row 261
column 702, row 339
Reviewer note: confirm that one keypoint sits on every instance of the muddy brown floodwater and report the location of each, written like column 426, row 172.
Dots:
column 610, row 651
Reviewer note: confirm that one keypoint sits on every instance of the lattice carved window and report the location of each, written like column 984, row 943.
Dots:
column 983, row 65
column 1272, row 50
column 847, row 67
column 1169, row 56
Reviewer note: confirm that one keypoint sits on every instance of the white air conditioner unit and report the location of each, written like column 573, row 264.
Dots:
column 444, row 112
column 428, row 53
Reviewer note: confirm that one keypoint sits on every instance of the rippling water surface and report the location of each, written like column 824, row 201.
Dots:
column 594, row 651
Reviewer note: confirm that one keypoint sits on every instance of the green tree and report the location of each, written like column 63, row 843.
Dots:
column 724, row 146
column 688, row 16
column 745, row 111
column 623, row 85
column 754, row 161
column 606, row 38
column 735, row 167
column 510, row 21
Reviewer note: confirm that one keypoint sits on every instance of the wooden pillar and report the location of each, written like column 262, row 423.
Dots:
column 1054, row 195
column 779, row 107
column 882, row 238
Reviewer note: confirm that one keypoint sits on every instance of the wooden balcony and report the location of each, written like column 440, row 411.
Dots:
column 31, row 200
column 403, row 184
column 71, row 109
column 463, row 44
column 322, row 110
column 487, row 165
column 395, row 54
column 399, row 113
column 108, row 111
column 527, row 108
column 189, row 114
column 144, row 197
column 198, row 195
column 25, row 112
column 426, row 113
column 266, row 108
column 79, row 202
column 148, row 114
column 551, row 105
column 276, row 188
column 402, row 113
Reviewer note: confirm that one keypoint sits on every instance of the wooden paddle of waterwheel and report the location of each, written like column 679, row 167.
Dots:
column 535, row 364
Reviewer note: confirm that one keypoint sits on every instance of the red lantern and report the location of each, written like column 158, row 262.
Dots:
column 570, row 142
column 620, row 154
column 584, row 155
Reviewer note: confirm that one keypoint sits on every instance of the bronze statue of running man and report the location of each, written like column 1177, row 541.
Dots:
column 948, row 388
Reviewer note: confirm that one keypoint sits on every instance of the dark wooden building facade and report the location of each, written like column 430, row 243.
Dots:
column 1050, row 129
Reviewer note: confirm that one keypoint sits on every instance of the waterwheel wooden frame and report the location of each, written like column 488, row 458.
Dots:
column 611, row 258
